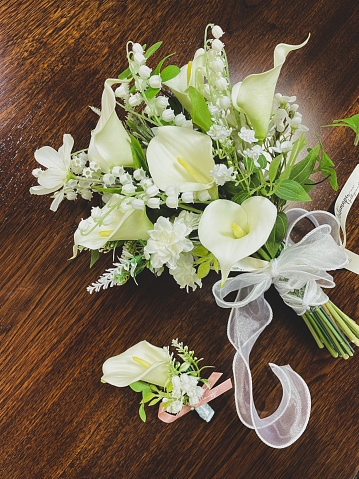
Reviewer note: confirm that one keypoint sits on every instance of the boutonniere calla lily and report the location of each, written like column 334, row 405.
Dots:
column 142, row 362
column 254, row 95
column 190, row 75
column 233, row 232
column 183, row 158
column 116, row 225
column 110, row 143
column 56, row 175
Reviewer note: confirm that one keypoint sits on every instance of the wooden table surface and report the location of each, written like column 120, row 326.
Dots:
column 57, row 419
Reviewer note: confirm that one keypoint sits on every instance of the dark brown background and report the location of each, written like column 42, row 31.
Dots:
column 57, row 419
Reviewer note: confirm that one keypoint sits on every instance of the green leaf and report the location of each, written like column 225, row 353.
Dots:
column 203, row 270
column 157, row 70
column 240, row 197
column 147, row 396
column 124, row 74
column 138, row 156
column 352, row 122
column 142, row 413
column 201, row 115
column 152, row 49
column 277, row 234
column 94, row 257
column 139, row 386
column 273, row 167
column 326, row 166
column 155, row 401
column 200, row 251
column 302, row 170
column 262, row 161
column 290, row 190
column 309, row 185
column 151, row 92
column 169, row 72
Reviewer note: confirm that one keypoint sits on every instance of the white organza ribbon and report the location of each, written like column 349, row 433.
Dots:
column 301, row 266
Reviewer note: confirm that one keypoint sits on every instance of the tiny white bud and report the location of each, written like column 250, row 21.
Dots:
column 172, row 190
column 146, row 183
column 155, row 81
column 118, row 171
column 168, row 115
column 217, row 65
column 109, row 179
column 187, row 197
column 86, row 194
column 144, row 72
column 138, row 204
column 139, row 174
column 224, row 102
column 217, row 45
column 152, row 190
column 135, row 99
column 137, row 48
column 172, row 202
column 128, row 189
column 221, row 84
column 180, row 119
column 162, row 102
column 122, row 90
column 217, row 31
column 72, row 183
column 154, row 203
column 203, row 195
column 125, row 179
column 139, row 59
column 71, row 195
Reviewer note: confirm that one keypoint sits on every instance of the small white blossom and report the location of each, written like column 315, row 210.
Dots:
column 222, row 174
column 180, row 119
column 144, row 72
column 138, row 204
column 128, row 189
column 109, row 179
column 203, row 195
column 185, row 274
column 187, row 197
column 247, row 135
column 139, row 174
column 217, row 45
column 217, row 65
column 118, row 171
column 283, row 147
column 154, row 203
column 122, row 91
column 224, row 102
column 172, row 202
column 221, row 84
column 125, row 179
column 135, row 99
column 219, row 132
column 94, row 166
column 137, row 48
column 152, row 190
column 254, row 153
column 167, row 241
column 161, row 102
column 139, row 58
column 190, row 219
column 168, row 115
column 86, row 194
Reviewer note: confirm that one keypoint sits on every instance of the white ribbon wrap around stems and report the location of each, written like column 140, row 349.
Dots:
column 301, row 266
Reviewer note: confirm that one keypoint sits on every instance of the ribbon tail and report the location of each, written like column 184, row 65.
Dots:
column 290, row 419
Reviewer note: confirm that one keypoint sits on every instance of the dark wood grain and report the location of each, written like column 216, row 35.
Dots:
column 57, row 419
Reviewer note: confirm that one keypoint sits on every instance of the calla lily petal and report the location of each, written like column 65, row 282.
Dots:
column 254, row 95
column 193, row 77
column 194, row 148
column 255, row 216
column 110, row 143
column 130, row 225
column 123, row 370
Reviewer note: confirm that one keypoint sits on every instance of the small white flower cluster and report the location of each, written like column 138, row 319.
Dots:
column 185, row 391
column 285, row 116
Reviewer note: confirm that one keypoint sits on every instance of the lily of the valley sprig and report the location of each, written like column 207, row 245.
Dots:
column 158, row 375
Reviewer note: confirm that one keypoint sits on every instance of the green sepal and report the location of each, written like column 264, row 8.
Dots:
column 290, row 190
column 152, row 49
column 277, row 234
column 95, row 254
column 201, row 115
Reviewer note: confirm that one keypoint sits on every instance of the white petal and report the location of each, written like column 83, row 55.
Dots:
column 52, row 178
column 257, row 215
column 122, row 370
column 254, row 95
column 49, row 158
column 174, row 142
column 65, row 150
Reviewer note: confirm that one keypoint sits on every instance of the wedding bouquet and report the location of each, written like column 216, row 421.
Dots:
column 198, row 179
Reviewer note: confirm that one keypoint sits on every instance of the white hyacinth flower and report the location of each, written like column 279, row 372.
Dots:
column 247, row 135
column 222, row 174
column 185, row 274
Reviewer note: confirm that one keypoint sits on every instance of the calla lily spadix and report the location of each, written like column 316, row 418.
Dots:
column 141, row 362
column 183, row 158
column 254, row 95
column 110, row 143
column 129, row 225
column 233, row 232
column 190, row 75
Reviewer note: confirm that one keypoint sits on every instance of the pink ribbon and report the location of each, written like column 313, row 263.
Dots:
column 207, row 396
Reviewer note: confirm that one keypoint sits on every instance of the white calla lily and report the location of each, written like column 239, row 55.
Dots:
column 110, row 143
column 183, row 158
column 190, row 75
column 232, row 232
column 142, row 362
column 254, row 95
column 132, row 224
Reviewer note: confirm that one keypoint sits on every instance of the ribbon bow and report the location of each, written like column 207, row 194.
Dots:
column 302, row 266
column 211, row 393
